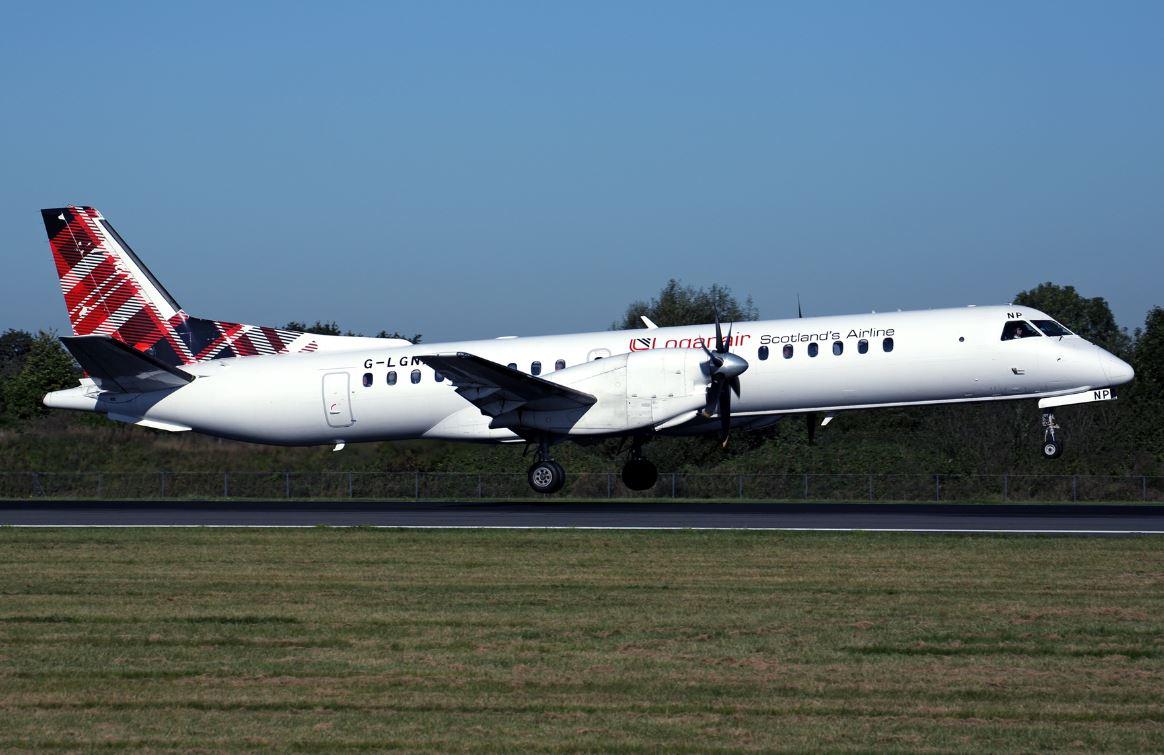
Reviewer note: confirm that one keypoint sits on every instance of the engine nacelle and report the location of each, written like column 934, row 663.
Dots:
column 635, row 391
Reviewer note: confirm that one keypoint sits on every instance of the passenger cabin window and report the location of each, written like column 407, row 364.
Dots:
column 1052, row 328
column 763, row 353
column 1018, row 329
column 788, row 351
column 535, row 368
column 813, row 349
column 512, row 365
column 439, row 377
column 863, row 346
column 887, row 345
column 560, row 364
column 838, row 348
column 367, row 380
column 391, row 377
column 416, row 376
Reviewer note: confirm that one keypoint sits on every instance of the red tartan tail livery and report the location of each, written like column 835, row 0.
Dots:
column 109, row 292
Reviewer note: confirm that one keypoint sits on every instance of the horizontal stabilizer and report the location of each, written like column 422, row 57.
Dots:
column 115, row 366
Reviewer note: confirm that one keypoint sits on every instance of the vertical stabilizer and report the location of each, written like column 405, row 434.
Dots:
column 109, row 291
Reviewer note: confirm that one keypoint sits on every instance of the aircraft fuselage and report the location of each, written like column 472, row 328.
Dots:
column 861, row 361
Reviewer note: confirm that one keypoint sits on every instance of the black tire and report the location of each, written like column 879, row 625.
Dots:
column 1052, row 448
column 546, row 477
column 639, row 474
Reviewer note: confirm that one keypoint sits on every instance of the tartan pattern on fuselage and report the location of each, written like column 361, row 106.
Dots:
column 108, row 291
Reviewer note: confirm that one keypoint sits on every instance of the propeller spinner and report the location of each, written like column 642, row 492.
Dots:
column 725, row 369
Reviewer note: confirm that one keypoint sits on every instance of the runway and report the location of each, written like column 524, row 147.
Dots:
column 825, row 517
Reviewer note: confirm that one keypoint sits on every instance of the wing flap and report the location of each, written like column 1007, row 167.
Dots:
column 117, row 367
column 496, row 389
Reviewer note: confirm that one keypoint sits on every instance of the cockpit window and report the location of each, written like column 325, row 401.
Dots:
column 1052, row 328
column 1018, row 329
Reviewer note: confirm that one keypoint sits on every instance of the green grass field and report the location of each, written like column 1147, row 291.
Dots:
column 540, row 640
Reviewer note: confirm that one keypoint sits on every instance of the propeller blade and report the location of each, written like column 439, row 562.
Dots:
column 718, row 334
column 713, row 392
column 729, row 336
column 735, row 384
column 715, row 361
column 725, row 416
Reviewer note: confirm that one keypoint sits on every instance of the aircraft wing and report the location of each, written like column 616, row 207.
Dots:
column 495, row 389
column 115, row 366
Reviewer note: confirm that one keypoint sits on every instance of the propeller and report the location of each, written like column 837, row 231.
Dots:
column 725, row 369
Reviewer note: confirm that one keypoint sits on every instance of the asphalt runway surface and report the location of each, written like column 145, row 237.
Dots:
column 1031, row 519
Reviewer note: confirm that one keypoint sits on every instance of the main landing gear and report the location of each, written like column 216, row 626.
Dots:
column 639, row 473
column 1052, row 441
column 546, row 475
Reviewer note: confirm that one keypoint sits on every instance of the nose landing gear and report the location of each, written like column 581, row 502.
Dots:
column 1052, row 442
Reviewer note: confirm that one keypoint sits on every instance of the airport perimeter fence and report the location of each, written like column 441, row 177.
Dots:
column 1013, row 488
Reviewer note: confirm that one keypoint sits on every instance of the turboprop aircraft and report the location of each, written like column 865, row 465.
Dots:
column 147, row 362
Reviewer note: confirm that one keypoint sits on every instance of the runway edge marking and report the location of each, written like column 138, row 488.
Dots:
column 917, row 530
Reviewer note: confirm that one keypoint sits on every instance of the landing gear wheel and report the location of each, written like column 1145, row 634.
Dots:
column 639, row 474
column 546, row 476
column 1052, row 448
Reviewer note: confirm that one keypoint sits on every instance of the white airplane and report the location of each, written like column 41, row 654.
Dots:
column 149, row 363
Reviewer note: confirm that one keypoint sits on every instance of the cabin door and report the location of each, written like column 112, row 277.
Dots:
column 337, row 399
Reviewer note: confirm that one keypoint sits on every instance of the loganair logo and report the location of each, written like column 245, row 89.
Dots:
column 642, row 344
column 646, row 344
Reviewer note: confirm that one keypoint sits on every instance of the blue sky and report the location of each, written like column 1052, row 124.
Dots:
column 483, row 169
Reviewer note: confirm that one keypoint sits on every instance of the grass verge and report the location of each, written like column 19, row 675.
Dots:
column 533, row 640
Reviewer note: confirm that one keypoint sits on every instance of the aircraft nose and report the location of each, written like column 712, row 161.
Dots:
column 1117, row 370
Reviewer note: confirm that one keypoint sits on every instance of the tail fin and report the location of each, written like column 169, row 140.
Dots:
column 109, row 292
